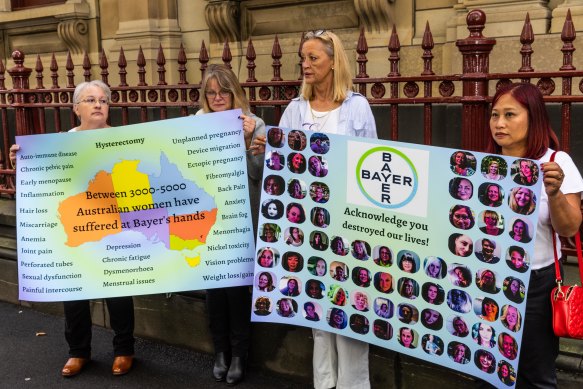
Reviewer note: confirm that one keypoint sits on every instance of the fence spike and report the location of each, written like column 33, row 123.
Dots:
column 104, row 65
column 86, row 67
column 526, row 38
column 276, row 55
column 141, row 62
column 39, row 72
column 427, row 45
column 161, row 61
column 70, row 67
column 568, row 36
column 182, row 65
column 227, row 57
column 122, row 63
column 203, row 58
column 54, row 72
column 394, row 47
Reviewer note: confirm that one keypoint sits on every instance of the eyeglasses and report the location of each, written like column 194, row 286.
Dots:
column 211, row 94
column 93, row 100
column 315, row 34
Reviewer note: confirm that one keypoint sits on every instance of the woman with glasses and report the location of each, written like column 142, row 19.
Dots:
column 229, row 308
column 328, row 104
column 91, row 105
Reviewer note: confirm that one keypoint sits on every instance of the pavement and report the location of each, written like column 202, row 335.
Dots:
column 33, row 351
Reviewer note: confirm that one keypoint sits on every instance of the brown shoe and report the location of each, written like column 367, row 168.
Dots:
column 74, row 366
column 122, row 364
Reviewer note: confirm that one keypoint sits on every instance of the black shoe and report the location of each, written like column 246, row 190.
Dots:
column 236, row 371
column 220, row 368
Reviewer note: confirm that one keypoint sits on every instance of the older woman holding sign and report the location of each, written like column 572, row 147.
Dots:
column 328, row 104
column 91, row 105
column 229, row 308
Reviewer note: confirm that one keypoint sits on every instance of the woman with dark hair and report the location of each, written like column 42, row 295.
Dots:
column 296, row 163
column 272, row 209
column 460, row 245
column 492, row 195
column 514, row 290
column 320, row 217
column 275, row 137
column 337, row 319
column 291, row 288
column 311, row 313
column 484, row 335
column 461, row 188
column 295, row 213
column 314, row 289
column 459, row 164
column 317, row 241
column 292, row 262
column 294, row 189
column 265, row 282
column 461, row 216
column 487, row 281
column 295, row 237
column 269, row 233
column 489, row 310
column 522, row 200
column 431, row 319
column 385, row 258
column 407, row 263
column 338, row 247
column 361, row 277
column 519, row 231
column 485, row 361
column 431, row 293
column 316, row 166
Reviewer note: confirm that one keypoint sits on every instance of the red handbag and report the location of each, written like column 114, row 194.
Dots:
column 567, row 301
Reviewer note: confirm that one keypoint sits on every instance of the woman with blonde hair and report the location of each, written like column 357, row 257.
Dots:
column 522, row 200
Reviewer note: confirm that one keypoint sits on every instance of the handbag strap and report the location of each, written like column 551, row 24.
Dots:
column 559, row 279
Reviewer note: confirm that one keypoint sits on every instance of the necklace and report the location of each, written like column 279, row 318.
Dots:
column 319, row 125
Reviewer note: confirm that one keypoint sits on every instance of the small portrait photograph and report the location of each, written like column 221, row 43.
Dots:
column 319, row 192
column 359, row 301
column 520, row 230
column 462, row 217
column 267, row 257
column 514, row 289
column 296, row 189
column 312, row 311
column 269, row 232
column 407, row 313
column 485, row 361
column 296, row 163
column 292, row 262
column 431, row 319
column 297, row 140
column 317, row 266
column 408, row 261
column 408, row 337
column 487, row 281
column 339, row 271
column 317, row 166
column 383, row 282
column 432, row 293
column 384, row 307
column 262, row 306
column 382, row 256
column 382, row 329
column 460, row 245
column 295, row 213
column 491, row 223
column 459, row 275
column 494, row 168
column 457, row 326
column 272, row 209
column 511, row 318
column 360, row 250
column 435, row 267
column 461, row 188
column 290, row 286
column 432, row 344
column 490, row 194
column 293, row 236
column 337, row 295
column 522, row 200
column 319, row 143
column 484, row 335
column 359, row 324
column 320, row 217
column 287, row 307
column 408, row 288
column 339, row 246
column 273, row 185
column 459, row 352
column 337, row 318
column 516, row 259
column 487, row 251
column 361, row 277
column 275, row 160
column 315, row 289
column 508, row 346
column 275, row 137
column 264, row 281
column 459, row 301
column 319, row 240
column 524, row 172
column 506, row 373
column 486, row 309
column 462, row 163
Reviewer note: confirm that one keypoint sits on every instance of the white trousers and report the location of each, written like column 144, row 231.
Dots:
column 339, row 362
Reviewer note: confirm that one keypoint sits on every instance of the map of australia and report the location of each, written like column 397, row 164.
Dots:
column 165, row 208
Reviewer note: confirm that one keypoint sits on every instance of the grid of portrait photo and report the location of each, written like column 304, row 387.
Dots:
column 460, row 306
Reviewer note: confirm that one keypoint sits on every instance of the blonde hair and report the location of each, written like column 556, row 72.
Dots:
column 341, row 72
column 227, row 81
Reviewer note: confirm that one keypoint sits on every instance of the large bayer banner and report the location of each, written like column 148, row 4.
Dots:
column 418, row 249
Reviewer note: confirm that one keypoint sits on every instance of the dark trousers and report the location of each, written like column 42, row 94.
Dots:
column 229, row 313
column 78, row 326
column 540, row 346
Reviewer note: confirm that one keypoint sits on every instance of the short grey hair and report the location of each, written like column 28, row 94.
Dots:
column 84, row 85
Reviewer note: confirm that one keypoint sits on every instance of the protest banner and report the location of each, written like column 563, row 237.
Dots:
column 149, row 208
column 418, row 249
